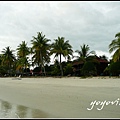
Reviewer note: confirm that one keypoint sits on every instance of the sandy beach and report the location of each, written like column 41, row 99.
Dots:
column 70, row 97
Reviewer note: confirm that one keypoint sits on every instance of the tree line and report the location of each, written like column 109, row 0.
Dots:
column 42, row 49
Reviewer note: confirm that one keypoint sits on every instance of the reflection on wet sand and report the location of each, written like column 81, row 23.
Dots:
column 8, row 110
column 22, row 110
column 38, row 114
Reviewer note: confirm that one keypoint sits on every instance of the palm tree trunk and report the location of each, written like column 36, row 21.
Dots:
column 44, row 69
column 61, row 66
column 9, row 69
column 42, row 63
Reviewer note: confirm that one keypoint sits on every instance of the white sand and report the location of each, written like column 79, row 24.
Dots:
column 64, row 97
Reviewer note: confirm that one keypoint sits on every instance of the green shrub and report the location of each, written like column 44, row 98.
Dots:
column 88, row 69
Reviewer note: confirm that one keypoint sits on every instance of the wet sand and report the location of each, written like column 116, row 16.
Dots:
column 69, row 97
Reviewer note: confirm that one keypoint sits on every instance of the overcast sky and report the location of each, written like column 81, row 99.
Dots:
column 92, row 23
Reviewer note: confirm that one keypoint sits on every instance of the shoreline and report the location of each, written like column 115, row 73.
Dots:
column 63, row 97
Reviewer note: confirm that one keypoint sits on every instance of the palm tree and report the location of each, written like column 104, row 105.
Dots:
column 40, row 49
column 61, row 47
column 22, row 51
column 8, row 58
column 87, row 59
column 115, row 46
column 84, row 53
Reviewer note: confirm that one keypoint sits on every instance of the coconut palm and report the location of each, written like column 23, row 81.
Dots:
column 40, row 49
column 61, row 48
column 114, row 46
column 84, row 53
column 8, row 58
column 22, row 52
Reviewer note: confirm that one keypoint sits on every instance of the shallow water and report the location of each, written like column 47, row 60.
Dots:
column 8, row 110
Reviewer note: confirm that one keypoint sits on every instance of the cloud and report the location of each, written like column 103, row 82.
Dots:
column 92, row 23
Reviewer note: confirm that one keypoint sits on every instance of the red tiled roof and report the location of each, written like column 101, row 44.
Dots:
column 105, row 61
column 102, row 60
column 77, row 62
column 99, row 60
